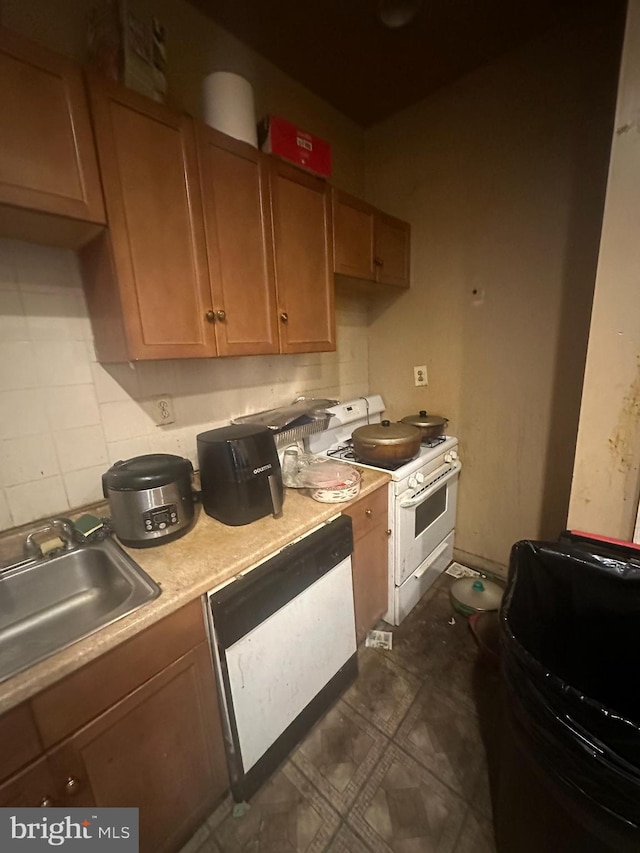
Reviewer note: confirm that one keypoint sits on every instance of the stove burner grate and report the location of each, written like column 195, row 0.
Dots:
column 347, row 453
column 434, row 442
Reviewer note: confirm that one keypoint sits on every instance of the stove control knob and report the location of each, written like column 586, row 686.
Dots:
column 451, row 457
column 419, row 478
column 412, row 482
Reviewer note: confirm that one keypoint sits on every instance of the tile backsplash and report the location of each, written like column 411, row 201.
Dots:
column 64, row 418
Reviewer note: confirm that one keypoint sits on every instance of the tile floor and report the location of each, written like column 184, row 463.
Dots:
column 398, row 765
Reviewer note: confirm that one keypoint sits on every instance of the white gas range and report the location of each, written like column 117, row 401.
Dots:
column 422, row 502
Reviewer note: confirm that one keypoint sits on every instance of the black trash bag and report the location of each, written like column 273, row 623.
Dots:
column 570, row 633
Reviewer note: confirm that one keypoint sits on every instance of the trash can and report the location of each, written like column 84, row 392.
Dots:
column 569, row 771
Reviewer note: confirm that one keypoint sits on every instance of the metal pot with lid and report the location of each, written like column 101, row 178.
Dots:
column 150, row 498
column 431, row 426
column 387, row 442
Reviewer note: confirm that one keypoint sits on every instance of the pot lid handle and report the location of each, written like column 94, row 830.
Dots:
column 385, row 423
column 422, row 413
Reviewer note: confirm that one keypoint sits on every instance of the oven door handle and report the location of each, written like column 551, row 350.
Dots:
column 442, row 547
column 416, row 500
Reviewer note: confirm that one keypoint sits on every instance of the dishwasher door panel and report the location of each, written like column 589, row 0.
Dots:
column 277, row 668
column 284, row 647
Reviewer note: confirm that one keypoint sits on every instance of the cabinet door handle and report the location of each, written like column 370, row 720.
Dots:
column 211, row 317
column 368, row 513
column 378, row 262
column 46, row 802
column 221, row 315
column 284, row 317
column 72, row 786
column 388, row 532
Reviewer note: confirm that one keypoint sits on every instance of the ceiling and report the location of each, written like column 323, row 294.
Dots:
column 341, row 51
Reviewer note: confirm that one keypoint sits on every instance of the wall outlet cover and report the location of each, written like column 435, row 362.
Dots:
column 420, row 375
column 163, row 410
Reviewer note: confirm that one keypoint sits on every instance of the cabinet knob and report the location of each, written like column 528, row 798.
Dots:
column 388, row 532
column 368, row 513
column 284, row 317
column 378, row 262
column 46, row 802
column 211, row 317
column 221, row 315
column 72, row 786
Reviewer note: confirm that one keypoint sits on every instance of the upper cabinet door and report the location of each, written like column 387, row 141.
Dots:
column 47, row 156
column 369, row 244
column 149, row 169
column 302, row 230
column 353, row 236
column 392, row 243
column 238, row 233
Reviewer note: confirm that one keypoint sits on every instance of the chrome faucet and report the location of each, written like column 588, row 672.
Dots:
column 61, row 527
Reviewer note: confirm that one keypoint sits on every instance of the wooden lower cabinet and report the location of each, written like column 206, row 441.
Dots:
column 160, row 748
column 369, row 560
column 369, row 564
column 34, row 786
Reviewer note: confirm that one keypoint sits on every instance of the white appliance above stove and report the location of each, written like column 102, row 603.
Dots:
column 345, row 417
column 422, row 502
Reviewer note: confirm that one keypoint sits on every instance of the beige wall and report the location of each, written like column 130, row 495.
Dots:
column 604, row 493
column 502, row 177
column 196, row 47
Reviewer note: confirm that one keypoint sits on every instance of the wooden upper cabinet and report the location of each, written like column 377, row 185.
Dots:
column 353, row 236
column 369, row 244
column 148, row 161
column 392, row 244
column 302, row 235
column 237, row 219
column 213, row 247
column 47, row 155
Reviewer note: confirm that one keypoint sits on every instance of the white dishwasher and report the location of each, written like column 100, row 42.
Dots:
column 284, row 646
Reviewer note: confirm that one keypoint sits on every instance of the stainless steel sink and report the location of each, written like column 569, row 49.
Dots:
column 48, row 604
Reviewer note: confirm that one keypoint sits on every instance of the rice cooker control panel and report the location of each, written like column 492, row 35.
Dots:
column 160, row 517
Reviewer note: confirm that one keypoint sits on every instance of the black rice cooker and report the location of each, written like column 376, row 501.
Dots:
column 151, row 498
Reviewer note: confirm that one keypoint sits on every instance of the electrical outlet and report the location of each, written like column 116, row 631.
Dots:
column 163, row 410
column 420, row 375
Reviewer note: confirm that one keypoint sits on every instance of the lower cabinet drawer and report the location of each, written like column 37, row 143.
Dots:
column 367, row 512
column 415, row 586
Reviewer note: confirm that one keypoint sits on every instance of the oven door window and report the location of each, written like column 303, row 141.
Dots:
column 430, row 511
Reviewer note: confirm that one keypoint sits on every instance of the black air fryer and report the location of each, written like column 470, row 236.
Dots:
column 239, row 473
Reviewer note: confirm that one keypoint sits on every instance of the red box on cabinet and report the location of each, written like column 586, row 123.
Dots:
column 281, row 137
